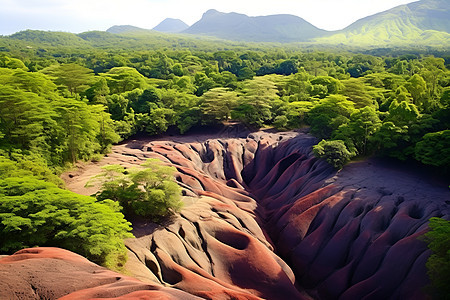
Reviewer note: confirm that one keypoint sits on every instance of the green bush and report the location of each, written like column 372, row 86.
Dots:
column 438, row 263
column 334, row 152
column 434, row 149
column 22, row 166
column 38, row 213
column 149, row 191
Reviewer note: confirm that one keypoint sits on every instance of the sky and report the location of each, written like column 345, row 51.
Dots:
column 83, row 15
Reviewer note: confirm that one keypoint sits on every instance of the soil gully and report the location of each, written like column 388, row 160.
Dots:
column 345, row 235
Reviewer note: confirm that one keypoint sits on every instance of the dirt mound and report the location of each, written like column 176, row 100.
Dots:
column 52, row 273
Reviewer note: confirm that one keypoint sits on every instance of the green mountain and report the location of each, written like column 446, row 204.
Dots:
column 274, row 28
column 52, row 38
column 171, row 25
column 425, row 22
column 120, row 29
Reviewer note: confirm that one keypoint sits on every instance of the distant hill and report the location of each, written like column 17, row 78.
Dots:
column 274, row 28
column 171, row 25
column 53, row 38
column 120, row 29
column 424, row 22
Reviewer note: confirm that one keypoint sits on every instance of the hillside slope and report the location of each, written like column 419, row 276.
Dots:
column 424, row 22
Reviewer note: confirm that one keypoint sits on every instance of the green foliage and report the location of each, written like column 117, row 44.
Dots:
column 11, row 63
column 217, row 104
column 150, row 82
column 33, row 117
column 356, row 133
column 74, row 77
column 361, row 93
column 434, row 149
column 254, row 106
column 150, row 191
column 334, row 152
column 403, row 113
column 23, row 167
column 329, row 114
column 123, row 79
column 438, row 263
column 37, row 213
column 388, row 139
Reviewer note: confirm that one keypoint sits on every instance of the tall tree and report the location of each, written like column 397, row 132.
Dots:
column 74, row 77
column 217, row 103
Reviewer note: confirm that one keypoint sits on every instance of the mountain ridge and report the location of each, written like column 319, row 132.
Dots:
column 171, row 26
column 424, row 23
column 272, row 28
column 120, row 29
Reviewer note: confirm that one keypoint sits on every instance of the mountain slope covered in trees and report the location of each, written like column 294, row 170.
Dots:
column 425, row 22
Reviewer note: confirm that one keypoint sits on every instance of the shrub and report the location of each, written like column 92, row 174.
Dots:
column 438, row 263
column 334, row 152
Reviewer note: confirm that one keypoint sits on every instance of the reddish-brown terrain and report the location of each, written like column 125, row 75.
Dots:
column 263, row 219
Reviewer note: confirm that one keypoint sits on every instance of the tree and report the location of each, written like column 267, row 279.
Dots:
column 329, row 114
column 203, row 83
column 438, row 263
column 434, row 149
column 24, row 117
column 390, row 139
column 37, row 213
column 36, row 83
column 148, row 99
column 334, row 152
column 98, row 92
column 297, row 87
column 417, row 86
column 403, row 113
column 333, row 85
column 433, row 69
column 122, row 79
column 24, row 167
column 255, row 104
column 73, row 76
column 85, row 130
column 360, row 93
column 150, row 191
column 362, row 125
column 287, row 67
column 189, row 118
column 11, row 63
column 217, row 103
column 223, row 58
column 159, row 120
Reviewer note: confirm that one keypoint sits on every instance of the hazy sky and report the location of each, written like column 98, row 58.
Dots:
column 83, row 15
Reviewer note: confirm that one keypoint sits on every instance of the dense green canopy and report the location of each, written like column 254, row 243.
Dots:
column 65, row 98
